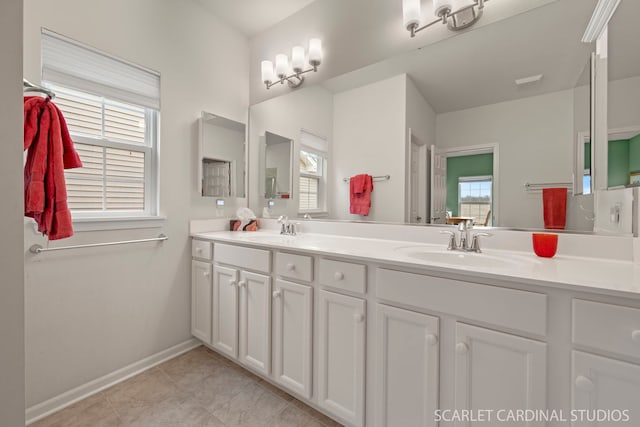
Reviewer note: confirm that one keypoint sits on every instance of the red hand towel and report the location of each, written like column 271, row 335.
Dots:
column 554, row 201
column 360, row 187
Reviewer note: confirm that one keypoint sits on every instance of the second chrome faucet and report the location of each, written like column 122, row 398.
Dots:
column 467, row 242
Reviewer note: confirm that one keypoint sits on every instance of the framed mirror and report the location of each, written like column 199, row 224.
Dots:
column 221, row 157
column 475, row 125
column 278, row 167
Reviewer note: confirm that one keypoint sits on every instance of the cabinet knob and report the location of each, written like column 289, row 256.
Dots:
column 584, row 384
column 431, row 339
column 291, row 267
column 358, row 317
column 232, row 282
column 277, row 294
column 199, row 250
column 206, row 274
column 242, row 284
column 338, row 275
column 635, row 336
column 462, row 348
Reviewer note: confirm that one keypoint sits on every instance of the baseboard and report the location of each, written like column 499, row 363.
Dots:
column 48, row 407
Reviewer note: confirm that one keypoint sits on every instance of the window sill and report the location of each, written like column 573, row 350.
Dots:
column 116, row 223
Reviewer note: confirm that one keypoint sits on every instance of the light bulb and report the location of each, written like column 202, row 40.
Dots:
column 411, row 13
column 297, row 58
column 315, row 52
column 441, row 6
column 282, row 65
column 267, row 71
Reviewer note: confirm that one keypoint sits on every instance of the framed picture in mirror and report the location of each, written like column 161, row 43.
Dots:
column 634, row 178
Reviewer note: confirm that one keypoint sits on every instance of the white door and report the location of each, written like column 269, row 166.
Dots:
column 498, row 371
column 225, row 310
column 255, row 321
column 407, row 372
column 292, row 332
column 438, row 182
column 341, row 357
column 201, row 300
column 605, row 384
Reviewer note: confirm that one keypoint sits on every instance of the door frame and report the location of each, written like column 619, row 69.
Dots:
column 491, row 148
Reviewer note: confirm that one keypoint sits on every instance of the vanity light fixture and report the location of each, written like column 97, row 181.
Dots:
column 281, row 73
column 456, row 14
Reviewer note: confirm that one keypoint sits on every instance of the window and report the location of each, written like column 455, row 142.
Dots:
column 474, row 198
column 313, row 166
column 111, row 108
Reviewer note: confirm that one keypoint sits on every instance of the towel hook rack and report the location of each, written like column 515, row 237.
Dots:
column 375, row 178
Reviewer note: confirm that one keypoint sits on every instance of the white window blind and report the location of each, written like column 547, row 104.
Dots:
column 113, row 124
column 72, row 64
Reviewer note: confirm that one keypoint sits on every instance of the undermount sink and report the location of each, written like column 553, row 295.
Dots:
column 458, row 258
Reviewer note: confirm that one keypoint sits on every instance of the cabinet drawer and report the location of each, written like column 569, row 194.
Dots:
column 201, row 249
column 509, row 308
column 297, row 267
column 239, row 256
column 607, row 327
column 343, row 275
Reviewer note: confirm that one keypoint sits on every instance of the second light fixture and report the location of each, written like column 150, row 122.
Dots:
column 281, row 73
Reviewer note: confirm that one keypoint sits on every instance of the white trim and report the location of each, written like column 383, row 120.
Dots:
column 601, row 15
column 109, row 223
column 55, row 404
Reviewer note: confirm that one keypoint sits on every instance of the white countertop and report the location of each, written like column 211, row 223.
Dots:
column 616, row 278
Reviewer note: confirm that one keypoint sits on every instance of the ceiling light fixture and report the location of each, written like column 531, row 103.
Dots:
column 456, row 14
column 281, row 73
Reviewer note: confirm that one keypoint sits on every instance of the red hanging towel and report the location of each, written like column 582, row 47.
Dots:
column 360, row 188
column 50, row 152
column 554, row 201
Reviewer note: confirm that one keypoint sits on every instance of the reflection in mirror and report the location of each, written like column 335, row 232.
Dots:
column 221, row 159
column 277, row 166
column 623, row 161
column 473, row 126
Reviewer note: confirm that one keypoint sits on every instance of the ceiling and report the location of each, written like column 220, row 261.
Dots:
column 253, row 16
column 480, row 67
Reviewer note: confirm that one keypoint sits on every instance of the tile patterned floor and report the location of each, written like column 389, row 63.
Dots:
column 197, row 389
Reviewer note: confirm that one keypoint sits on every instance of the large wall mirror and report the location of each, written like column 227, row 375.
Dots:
column 474, row 126
column 221, row 157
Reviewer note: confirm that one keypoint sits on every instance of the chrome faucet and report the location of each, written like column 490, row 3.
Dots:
column 467, row 241
column 287, row 228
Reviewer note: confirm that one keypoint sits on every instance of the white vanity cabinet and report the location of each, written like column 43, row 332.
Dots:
column 610, row 381
column 498, row 371
column 241, row 309
column 201, row 290
column 292, row 336
column 341, row 356
column 408, row 365
column 490, row 369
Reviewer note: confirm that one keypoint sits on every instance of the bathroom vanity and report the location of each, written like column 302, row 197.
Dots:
column 384, row 332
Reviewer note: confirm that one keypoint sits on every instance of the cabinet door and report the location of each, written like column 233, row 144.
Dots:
column 255, row 321
column 605, row 384
column 201, row 300
column 225, row 310
column 407, row 385
column 292, row 332
column 498, row 371
column 341, row 356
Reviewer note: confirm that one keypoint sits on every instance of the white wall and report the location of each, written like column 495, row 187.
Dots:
column 535, row 137
column 309, row 108
column 90, row 312
column 11, row 257
column 369, row 136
